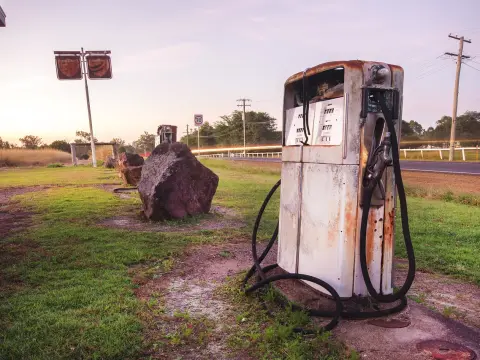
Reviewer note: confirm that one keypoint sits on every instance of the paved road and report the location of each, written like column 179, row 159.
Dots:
column 469, row 168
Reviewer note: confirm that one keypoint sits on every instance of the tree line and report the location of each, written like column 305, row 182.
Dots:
column 467, row 131
column 261, row 129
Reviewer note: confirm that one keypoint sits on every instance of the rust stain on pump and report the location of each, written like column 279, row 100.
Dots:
column 333, row 229
column 370, row 236
column 388, row 230
column 348, row 64
column 350, row 219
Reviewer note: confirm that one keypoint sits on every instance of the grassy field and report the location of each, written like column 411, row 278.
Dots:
column 66, row 283
column 26, row 157
column 63, row 176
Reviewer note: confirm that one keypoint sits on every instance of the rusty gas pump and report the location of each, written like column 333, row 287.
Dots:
column 339, row 183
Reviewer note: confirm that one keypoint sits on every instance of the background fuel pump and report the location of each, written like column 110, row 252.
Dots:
column 166, row 134
column 339, row 182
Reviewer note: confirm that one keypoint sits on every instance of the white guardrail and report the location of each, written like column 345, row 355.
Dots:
column 247, row 155
column 440, row 153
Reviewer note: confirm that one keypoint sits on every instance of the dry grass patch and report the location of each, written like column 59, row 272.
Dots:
column 27, row 157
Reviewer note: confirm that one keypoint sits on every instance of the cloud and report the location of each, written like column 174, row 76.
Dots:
column 257, row 19
column 172, row 57
column 212, row 11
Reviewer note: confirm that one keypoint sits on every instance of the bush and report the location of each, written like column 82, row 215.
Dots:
column 30, row 157
column 61, row 145
column 84, row 157
column 99, row 162
column 55, row 165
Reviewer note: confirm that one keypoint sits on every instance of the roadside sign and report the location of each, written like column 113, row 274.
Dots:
column 68, row 67
column 198, row 119
column 99, row 67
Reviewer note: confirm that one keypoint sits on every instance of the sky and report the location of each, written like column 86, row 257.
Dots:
column 173, row 59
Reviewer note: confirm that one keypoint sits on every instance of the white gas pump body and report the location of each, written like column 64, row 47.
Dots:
column 320, row 201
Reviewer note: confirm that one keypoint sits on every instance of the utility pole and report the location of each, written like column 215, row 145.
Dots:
column 92, row 139
column 244, row 104
column 459, row 56
column 198, row 140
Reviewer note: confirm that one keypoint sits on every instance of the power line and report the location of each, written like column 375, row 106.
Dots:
column 429, row 63
column 431, row 68
column 471, row 66
column 427, row 74
column 471, row 60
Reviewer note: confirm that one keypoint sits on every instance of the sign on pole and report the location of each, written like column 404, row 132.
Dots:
column 68, row 67
column 99, row 67
column 198, row 119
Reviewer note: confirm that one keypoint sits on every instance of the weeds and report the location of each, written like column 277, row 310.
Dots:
column 225, row 254
column 55, row 165
column 420, row 298
column 265, row 337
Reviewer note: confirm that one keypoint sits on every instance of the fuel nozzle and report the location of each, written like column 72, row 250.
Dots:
column 387, row 146
column 380, row 159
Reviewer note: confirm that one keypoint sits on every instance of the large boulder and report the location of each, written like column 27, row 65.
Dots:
column 130, row 168
column 174, row 184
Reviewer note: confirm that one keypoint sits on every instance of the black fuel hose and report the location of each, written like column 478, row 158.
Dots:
column 263, row 280
column 404, row 216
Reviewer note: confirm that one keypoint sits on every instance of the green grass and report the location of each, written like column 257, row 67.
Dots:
column 442, row 194
column 446, row 237
column 67, row 290
column 79, row 175
column 74, row 297
column 70, row 293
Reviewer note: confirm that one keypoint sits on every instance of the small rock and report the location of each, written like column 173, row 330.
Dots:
column 130, row 168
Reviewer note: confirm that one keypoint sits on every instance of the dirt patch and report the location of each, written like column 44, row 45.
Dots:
column 458, row 184
column 188, row 292
column 12, row 218
column 218, row 218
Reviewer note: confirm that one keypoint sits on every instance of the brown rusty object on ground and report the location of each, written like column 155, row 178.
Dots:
column 390, row 323
column 130, row 168
column 445, row 350
column 174, row 184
